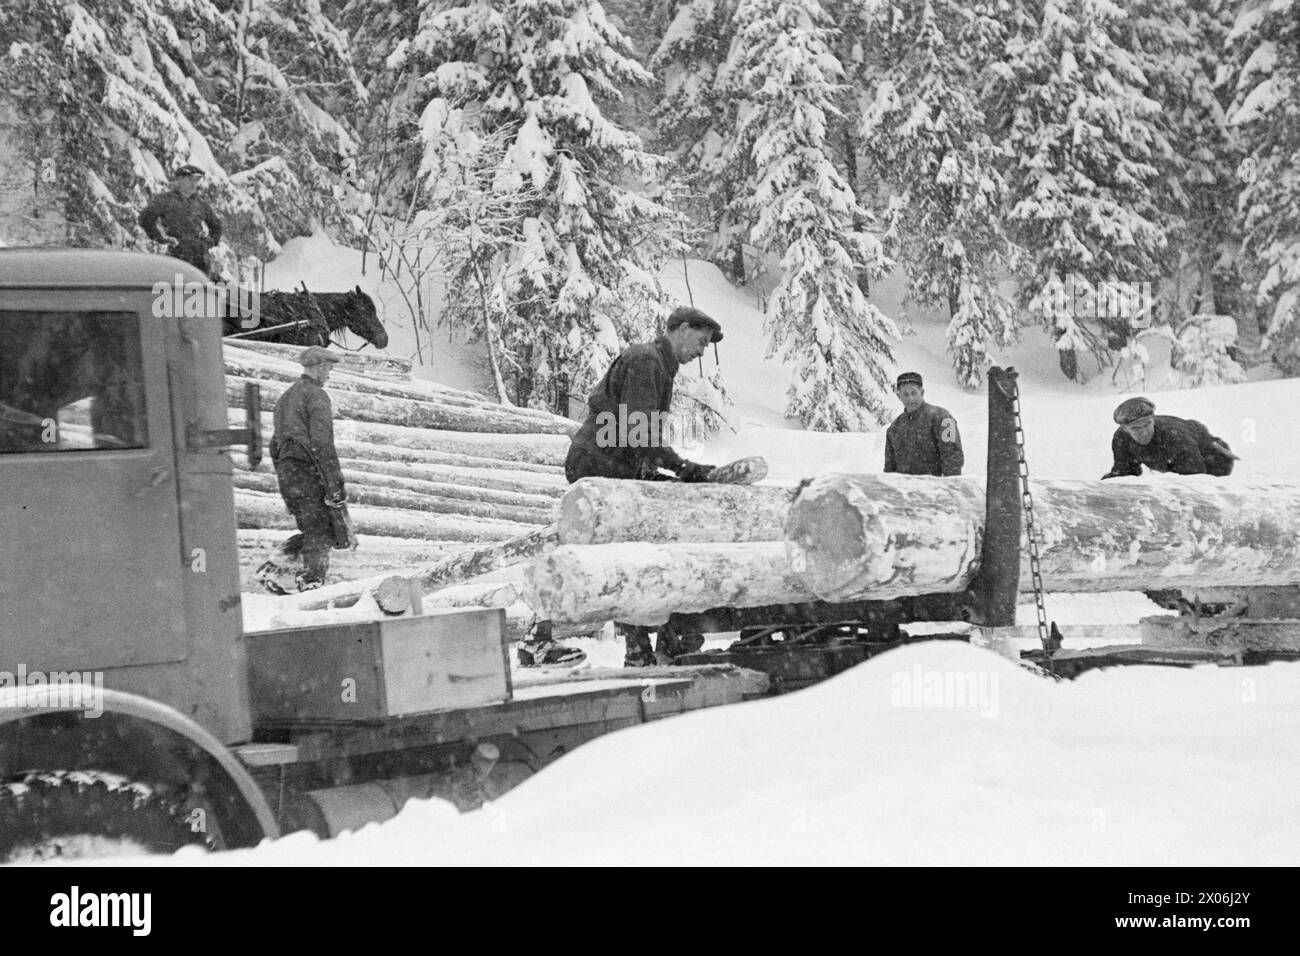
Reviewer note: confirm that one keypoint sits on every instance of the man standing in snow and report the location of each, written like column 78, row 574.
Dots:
column 623, row 437
column 307, row 466
column 924, row 439
column 1164, row 443
column 182, row 220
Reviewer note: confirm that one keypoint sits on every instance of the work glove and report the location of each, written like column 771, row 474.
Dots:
column 693, row 472
column 337, row 499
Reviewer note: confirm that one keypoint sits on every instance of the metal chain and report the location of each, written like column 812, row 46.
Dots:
column 1031, row 530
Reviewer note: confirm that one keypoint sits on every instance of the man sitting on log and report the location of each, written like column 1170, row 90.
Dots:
column 311, row 480
column 924, row 440
column 1164, row 443
column 624, row 437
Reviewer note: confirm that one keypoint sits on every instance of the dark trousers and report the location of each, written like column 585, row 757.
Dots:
column 193, row 251
column 304, row 495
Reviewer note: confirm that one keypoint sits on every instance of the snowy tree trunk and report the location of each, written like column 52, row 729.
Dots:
column 602, row 510
column 874, row 537
column 258, row 510
column 409, row 413
column 646, row 583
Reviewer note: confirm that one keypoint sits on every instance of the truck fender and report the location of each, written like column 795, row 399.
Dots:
column 23, row 702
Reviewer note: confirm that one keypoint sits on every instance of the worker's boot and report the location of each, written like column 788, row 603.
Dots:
column 639, row 652
column 540, row 649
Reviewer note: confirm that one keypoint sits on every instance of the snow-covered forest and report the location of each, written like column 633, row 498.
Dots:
column 1108, row 174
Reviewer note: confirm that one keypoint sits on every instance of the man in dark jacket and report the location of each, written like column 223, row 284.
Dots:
column 182, row 220
column 307, row 465
column 924, row 439
column 1164, row 443
column 626, row 435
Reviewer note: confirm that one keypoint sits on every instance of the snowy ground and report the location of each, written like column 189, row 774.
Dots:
column 933, row 754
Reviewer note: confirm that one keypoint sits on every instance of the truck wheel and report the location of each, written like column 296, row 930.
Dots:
column 70, row 814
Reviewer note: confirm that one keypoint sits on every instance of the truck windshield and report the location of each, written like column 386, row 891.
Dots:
column 71, row 381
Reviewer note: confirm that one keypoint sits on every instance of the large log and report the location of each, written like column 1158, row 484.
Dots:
column 533, row 448
column 458, row 568
column 646, row 583
column 869, row 537
column 363, row 493
column 258, row 510
column 249, row 364
column 604, row 510
column 411, row 414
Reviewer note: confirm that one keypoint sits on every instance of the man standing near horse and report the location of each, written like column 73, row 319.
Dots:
column 311, row 479
column 182, row 220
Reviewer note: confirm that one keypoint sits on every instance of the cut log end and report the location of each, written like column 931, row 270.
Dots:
column 393, row 594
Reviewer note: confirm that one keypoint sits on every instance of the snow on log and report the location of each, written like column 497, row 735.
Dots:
column 867, row 537
column 417, row 456
column 259, row 510
column 641, row 583
column 407, row 413
column 246, row 364
column 362, row 493
column 470, row 563
column 373, row 364
column 550, row 488
column 604, row 510
column 532, row 448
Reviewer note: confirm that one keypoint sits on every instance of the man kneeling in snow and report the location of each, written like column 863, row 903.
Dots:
column 1164, row 443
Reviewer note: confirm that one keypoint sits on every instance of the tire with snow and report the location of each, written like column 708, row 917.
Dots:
column 51, row 814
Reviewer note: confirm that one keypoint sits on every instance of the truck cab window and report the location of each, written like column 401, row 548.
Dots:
column 71, row 381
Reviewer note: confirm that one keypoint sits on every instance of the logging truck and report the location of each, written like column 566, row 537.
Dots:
column 136, row 713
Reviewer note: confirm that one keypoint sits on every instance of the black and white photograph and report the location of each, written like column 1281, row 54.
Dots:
column 695, row 433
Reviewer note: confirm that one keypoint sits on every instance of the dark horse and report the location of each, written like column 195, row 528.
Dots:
column 309, row 318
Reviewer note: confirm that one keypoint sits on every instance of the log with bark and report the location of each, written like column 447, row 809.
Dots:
column 374, row 364
column 869, row 537
column 411, row 414
column 548, row 488
column 255, row 509
column 533, row 448
column 456, row 569
column 250, row 365
column 604, row 510
column 362, row 493
column 641, row 583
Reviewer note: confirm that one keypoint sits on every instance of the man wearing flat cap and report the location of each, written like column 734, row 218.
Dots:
column 924, row 439
column 1164, row 443
column 182, row 220
column 307, row 466
column 623, row 437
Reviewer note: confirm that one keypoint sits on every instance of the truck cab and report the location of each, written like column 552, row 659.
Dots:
column 117, row 510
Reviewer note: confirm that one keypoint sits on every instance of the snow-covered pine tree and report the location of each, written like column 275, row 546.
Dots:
column 835, row 341
column 105, row 98
column 1087, row 143
column 1266, row 112
column 925, row 136
column 692, row 119
column 582, row 276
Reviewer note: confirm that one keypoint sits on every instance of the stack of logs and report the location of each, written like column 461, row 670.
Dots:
column 638, row 551
column 431, row 471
